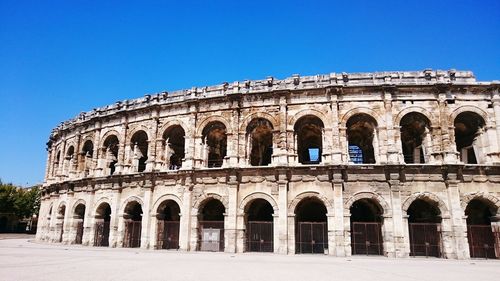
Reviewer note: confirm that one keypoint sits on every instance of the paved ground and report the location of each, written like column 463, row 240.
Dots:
column 24, row 260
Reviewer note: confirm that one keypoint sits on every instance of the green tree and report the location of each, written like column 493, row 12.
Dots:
column 23, row 202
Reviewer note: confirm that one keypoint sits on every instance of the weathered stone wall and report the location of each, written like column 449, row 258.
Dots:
column 76, row 178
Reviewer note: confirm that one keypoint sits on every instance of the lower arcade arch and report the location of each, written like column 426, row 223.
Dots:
column 78, row 219
column 424, row 225
column 133, row 225
column 102, row 225
column 366, row 228
column 483, row 237
column 259, row 233
column 311, row 230
column 61, row 212
column 211, row 226
column 168, row 225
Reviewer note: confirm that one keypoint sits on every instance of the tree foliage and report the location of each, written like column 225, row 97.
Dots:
column 23, row 202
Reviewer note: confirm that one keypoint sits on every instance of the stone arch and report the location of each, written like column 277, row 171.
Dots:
column 257, row 195
column 308, row 194
column 107, row 134
column 138, row 128
column 132, row 198
column 208, row 196
column 418, row 109
column 61, row 205
column 84, row 140
column 378, row 199
column 214, row 118
column 488, row 198
column 468, row 108
column 164, row 198
column 429, row 197
column 98, row 203
column 362, row 110
column 170, row 124
column 78, row 202
column 264, row 115
column 70, row 144
column 310, row 111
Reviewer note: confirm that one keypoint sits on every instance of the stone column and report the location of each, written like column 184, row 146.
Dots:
column 121, row 147
column 336, row 142
column 339, row 247
column 447, row 132
column 399, row 222
column 392, row 148
column 495, row 99
column 146, row 215
column 116, row 223
column 344, row 145
column 458, row 228
column 231, row 218
column 281, row 144
column 87, row 222
column 184, row 227
column 282, row 226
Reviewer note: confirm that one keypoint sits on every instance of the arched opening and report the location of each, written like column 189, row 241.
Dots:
column 362, row 138
column 102, row 225
column 415, row 138
column 60, row 222
column 259, row 226
column 133, row 223
column 139, row 143
column 168, row 217
column 424, row 222
column 86, row 156
column 366, row 228
column 259, row 137
column 480, row 234
column 70, row 159
column 110, row 152
column 308, row 132
column 214, row 144
column 470, row 138
column 174, row 142
column 311, row 231
column 79, row 218
column 57, row 162
column 211, row 226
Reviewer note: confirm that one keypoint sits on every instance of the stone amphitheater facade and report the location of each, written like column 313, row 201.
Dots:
column 389, row 163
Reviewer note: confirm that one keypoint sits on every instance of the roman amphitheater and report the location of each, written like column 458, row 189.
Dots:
column 397, row 164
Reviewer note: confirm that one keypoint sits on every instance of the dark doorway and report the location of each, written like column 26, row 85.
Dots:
column 481, row 237
column 215, row 144
column 102, row 225
column 259, row 227
column 139, row 144
column 211, row 226
column 366, row 228
column 311, row 231
column 133, row 225
column 60, row 224
column 110, row 152
column 424, row 223
column 79, row 219
column 168, row 216
column 415, row 127
column 467, row 137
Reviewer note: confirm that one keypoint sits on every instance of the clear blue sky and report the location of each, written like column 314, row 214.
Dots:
column 58, row 58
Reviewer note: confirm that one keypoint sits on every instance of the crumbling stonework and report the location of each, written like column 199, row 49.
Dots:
column 312, row 151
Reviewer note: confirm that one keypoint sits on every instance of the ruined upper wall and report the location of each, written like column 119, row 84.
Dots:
column 295, row 82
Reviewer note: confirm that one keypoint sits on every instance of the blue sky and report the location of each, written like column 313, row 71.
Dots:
column 59, row 58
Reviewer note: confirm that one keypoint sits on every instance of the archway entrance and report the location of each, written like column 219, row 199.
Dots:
column 211, row 226
column 424, row 223
column 101, row 227
column 311, row 231
column 259, row 226
column 168, row 216
column 366, row 228
column 133, row 225
column 79, row 218
column 479, row 232
column 60, row 222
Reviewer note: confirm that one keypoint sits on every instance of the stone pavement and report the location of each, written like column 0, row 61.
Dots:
column 21, row 259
